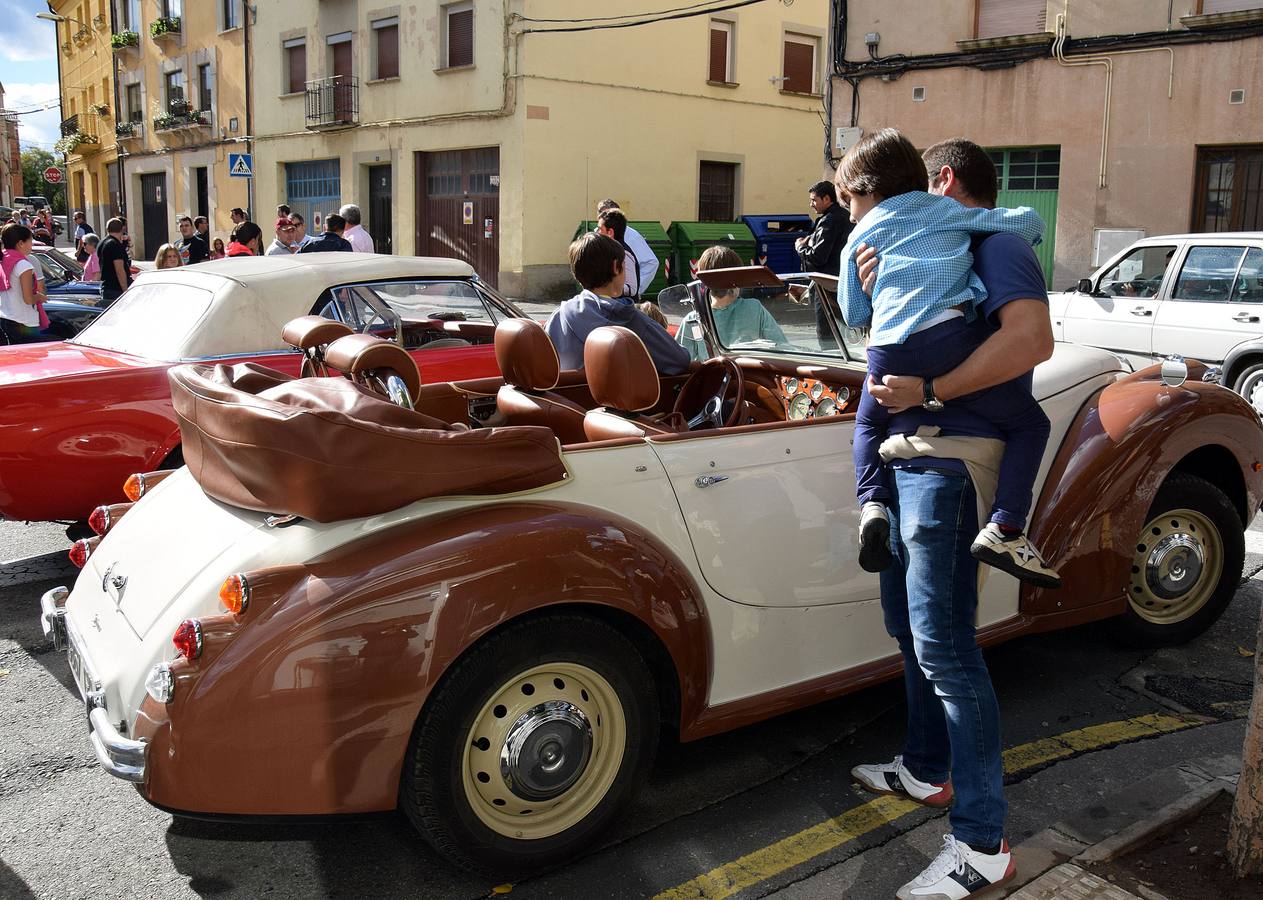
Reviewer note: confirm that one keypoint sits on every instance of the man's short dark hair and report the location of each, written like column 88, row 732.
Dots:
column 182, row 219
column 297, row 218
column 970, row 164
column 245, row 232
column 607, row 203
column 613, row 218
column 824, row 189
column 594, row 258
column 282, row 209
column 335, row 223
column 883, row 163
column 200, row 221
column 115, row 225
column 237, row 210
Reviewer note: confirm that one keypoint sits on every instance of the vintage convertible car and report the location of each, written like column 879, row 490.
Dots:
column 76, row 418
column 344, row 605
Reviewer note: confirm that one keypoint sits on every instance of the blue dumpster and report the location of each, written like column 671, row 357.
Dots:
column 774, row 238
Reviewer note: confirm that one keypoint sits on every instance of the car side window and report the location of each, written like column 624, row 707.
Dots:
column 1138, row 274
column 1208, row 274
column 1248, row 287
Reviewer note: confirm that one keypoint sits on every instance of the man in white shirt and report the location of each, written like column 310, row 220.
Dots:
column 361, row 240
column 281, row 245
column 646, row 260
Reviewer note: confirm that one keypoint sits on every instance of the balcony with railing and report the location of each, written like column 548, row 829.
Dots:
column 333, row 102
column 79, row 134
column 181, row 118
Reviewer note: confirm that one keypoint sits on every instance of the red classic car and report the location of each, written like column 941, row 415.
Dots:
column 76, row 417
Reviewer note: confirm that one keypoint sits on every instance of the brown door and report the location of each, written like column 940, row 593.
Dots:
column 458, row 208
column 717, row 192
column 1229, row 189
column 342, row 81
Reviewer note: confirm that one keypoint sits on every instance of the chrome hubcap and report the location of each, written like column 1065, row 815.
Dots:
column 1175, row 562
column 1176, row 566
column 546, row 750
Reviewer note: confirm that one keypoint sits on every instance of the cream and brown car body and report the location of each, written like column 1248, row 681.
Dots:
column 723, row 557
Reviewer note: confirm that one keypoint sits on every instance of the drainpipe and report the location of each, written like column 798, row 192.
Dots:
column 119, row 153
column 61, row 117
column 248, row 13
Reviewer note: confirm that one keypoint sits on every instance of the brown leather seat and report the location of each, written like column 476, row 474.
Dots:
column 366, row 356
column 311, row 334
column 529, row 363
column 624, row 382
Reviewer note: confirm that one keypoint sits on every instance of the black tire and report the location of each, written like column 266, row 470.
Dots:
column 1248, row 381
column 1196, row 606
column 435, row 790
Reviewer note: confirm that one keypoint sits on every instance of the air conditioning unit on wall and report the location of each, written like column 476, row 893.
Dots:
column 844, row 138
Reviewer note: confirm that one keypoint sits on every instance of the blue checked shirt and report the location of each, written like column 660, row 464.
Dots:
column 926, row 268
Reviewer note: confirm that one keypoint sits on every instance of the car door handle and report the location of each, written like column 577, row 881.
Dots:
column 707, row 480
column 1244, row 317
column 1141, row 311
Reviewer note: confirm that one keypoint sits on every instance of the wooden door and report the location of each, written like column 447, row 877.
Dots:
column 342, row 104
column 153, row 214
column 380, row 207
column 458, row 208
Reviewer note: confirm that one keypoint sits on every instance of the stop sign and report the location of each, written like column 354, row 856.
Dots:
column 52, row 175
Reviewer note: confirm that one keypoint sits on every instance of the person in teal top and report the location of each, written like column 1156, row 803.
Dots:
column 737, row 319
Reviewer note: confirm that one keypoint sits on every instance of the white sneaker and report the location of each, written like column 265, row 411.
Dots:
column 874, row 537
column 959, row 871
column 1014, row 554
column 894, row 778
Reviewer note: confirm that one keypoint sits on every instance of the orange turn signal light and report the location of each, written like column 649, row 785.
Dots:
column 1258, row 467
column 234, row 593
column 133, row 487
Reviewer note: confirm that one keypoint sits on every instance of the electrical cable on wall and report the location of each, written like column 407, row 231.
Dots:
column 645, row 21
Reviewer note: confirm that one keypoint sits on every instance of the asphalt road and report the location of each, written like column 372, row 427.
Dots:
column 67, row 830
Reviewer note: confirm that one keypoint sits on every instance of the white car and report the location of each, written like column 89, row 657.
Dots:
column 1193, row 295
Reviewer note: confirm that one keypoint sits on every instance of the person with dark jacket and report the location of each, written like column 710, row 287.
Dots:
column 821, row 251
column 332, row 239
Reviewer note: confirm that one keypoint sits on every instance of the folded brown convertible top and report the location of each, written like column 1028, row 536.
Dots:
column 327, row 449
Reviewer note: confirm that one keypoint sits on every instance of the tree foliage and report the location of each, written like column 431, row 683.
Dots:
column 34, row 161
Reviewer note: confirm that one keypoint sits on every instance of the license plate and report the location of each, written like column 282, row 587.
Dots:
column 78, row 668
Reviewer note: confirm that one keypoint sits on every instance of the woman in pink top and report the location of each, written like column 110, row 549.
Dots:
column 92, row 266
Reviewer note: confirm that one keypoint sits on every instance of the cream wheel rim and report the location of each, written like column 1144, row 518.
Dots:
column 1176, row 567
column 544, row 750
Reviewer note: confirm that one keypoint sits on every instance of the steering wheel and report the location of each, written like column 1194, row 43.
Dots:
column 719, row 380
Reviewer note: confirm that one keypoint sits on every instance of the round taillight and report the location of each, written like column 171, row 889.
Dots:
column 134, row 486
column 99, row 521
column 188, row 639
column 79, row 553
column 234, row 593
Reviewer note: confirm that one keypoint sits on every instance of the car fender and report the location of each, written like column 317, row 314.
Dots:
column 1122, row 445
column 324, row 676
column 1239, row 357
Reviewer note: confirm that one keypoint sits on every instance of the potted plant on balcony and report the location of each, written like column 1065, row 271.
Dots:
column 124, row 130
column 121, row 40
column 164, row 25
column 166, row 121
column 71, row 142
column 101, row 109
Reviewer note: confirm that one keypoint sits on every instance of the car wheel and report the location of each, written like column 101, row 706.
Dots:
column 531, row 745
column 1185, row 566
column 1249, row 385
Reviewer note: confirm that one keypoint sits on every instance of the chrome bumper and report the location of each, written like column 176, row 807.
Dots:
column 52, row 616
column 121, row 756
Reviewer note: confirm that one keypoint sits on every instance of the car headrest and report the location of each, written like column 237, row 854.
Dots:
column 306, row 332
column 619, row 369
column 364, row 354
column 526, row 356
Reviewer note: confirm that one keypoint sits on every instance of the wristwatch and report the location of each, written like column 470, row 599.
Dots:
column 931, row 403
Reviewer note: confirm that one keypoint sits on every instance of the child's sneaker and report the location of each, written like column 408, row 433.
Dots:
column 959, row 871
column 874, row 537
column 1014, row 554
column 894, row 778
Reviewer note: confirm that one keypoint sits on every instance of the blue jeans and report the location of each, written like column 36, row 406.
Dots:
column 929, row 597
column 1008, row 406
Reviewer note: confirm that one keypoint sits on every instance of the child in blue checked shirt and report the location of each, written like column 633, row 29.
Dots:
column 921, row 322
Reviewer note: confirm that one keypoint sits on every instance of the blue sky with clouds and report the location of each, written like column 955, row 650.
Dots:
column 28, row 69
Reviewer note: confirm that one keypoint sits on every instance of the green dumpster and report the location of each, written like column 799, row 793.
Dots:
column 690, row 239
column 656, row 236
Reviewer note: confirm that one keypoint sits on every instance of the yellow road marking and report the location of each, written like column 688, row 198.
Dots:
column 767, row 862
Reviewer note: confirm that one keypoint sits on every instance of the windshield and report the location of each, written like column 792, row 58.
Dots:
column 59, row 260
column 790, row 320
column 149, row 320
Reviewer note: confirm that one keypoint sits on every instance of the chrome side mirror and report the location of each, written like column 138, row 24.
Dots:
column 1174, row 371
column 676, row 293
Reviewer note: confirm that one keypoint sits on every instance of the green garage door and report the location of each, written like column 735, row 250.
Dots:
column 1029, row 176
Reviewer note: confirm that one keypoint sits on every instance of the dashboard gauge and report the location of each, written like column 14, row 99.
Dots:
column 799, row 407
column 791, row 386
column 826, row 407
column 844, row 394
column 817, row 391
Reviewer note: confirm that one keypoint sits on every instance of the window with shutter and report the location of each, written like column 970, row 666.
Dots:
column 717, row 192
column 296, row 65
column 721, row 52
column 1001, row 18
column 800, row 64
column 387, row 36
column 460, row 35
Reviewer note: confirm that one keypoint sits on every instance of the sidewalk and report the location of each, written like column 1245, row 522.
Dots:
column 1086, row 809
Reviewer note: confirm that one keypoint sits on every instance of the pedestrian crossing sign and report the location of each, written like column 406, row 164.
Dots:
column 240, row 165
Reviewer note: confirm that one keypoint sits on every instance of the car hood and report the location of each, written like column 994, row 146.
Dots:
column 25, row 363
